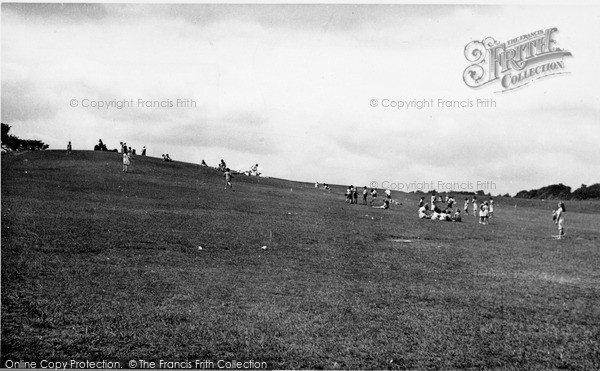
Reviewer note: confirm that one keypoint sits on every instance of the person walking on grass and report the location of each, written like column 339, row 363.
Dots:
column 228, row 178
column 126, row 162
column 559, row 219
column 466, row 206
column 475, row 208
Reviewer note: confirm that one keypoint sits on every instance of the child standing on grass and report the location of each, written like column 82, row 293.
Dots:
column 475, row 209
column 466, row 206
column 365, row 194
column 491, row 207
column 373, row 195
column 486, row 213
column 126, row 162
column 69, row 148
column 483, row 213
column 228, row 177
column 559, row 220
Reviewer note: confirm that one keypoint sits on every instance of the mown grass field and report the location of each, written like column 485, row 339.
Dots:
column 98, row 264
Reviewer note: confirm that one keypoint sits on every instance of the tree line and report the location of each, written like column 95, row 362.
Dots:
column 13, row 143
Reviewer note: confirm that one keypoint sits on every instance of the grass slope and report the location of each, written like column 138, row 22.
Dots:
column 98, row 264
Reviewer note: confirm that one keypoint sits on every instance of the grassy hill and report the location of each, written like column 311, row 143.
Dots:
column 102, row 265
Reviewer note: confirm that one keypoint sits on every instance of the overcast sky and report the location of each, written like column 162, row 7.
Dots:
column 290, row 87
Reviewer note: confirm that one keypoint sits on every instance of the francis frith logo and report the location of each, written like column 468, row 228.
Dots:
column 516, row 62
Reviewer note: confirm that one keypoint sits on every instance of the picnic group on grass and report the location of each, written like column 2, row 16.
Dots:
column 431, row 210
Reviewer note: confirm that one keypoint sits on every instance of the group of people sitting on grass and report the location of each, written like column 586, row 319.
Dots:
column 166, row 158
column 325, row 186
column 439, row 214
column 485, row 210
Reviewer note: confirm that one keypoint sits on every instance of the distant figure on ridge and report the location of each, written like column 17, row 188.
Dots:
column 100, row 146
column 254, row 170
column 69, row 148
column 222, row 166
column 203, row 164
column 144, row 151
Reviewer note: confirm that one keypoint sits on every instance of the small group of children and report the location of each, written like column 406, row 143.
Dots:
column 484, row 210
column 351, row 195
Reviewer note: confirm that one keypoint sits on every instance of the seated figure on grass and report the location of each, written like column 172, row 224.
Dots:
column 457, row 217
column 436, row 212
column 423, row 212
column 386, row 205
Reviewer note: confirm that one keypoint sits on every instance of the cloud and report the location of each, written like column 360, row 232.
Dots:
column 62, row 11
